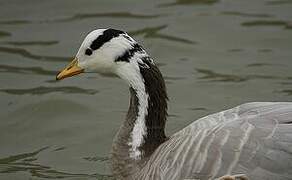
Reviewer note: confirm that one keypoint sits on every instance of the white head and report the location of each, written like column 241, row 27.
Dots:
column 106, row 51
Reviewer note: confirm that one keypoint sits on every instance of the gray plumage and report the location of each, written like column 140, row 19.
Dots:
column 254, row 139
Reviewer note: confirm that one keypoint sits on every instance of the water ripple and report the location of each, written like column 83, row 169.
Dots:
column 235, row 50
column 26, row 70
column 287, row 92
column 25, row 162
column 82, row 16
column 15, row 22
column 243, row 14
column 153, row 32
column 189, row 2
column 31, row 43
column 27, row 54
column 261, row 64
column 24, row 156
column 97, row 158
column 265, row 50
column 173, row 78
column 213, row 76
column 279, row 2
column 198, row 109
column 60, row 148
column 4, row 34
column 45, row 90
column 284, row 24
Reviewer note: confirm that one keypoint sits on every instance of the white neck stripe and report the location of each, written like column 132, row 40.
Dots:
column 131, row 73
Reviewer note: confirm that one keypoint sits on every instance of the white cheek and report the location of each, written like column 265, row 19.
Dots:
column 82, row 64
column 98, row 64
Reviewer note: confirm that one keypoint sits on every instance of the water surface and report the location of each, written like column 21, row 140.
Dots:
column 214, row 55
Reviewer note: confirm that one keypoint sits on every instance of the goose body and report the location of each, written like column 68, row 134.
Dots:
column 253, row 139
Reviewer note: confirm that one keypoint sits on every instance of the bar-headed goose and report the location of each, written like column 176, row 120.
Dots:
column 254, row 139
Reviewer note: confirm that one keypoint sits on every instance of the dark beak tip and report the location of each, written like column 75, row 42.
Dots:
column 58, row 79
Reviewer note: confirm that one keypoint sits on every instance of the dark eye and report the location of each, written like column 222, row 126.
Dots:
column 88, row 51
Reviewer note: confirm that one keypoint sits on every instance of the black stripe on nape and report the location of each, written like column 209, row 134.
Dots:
column 105, row 37
column 146, row 60
column 129, row 53
column 157, row 106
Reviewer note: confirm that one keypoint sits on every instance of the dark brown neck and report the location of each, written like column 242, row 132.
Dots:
column 157, row 108
column 122, row 163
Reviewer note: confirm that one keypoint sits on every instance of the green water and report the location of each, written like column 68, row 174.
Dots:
column 213, row 54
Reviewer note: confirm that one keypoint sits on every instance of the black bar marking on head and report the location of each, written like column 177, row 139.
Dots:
column 105, row 37
column 129, row 53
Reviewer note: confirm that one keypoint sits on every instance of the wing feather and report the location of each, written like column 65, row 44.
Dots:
column 253, row 139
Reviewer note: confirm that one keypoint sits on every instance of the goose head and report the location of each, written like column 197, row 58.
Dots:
column 107, row 51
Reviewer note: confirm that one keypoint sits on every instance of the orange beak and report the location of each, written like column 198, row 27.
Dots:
column 71, row 70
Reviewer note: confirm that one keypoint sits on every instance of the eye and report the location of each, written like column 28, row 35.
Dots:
column 88, row 51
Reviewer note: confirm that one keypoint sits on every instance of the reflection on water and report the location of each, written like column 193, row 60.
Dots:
column 27, row 54
column 153, row 32
column 26, row 70
column 44, row 90
column 26, row 162
column 189, row 2
column 31, row 43
column 213, row 76
column 285, row 24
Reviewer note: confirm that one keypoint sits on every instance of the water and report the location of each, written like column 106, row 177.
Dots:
column 214, row 55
